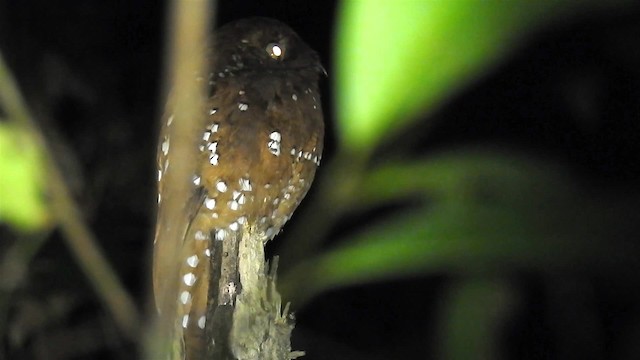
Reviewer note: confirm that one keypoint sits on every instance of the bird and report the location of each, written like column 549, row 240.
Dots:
column 260, row 142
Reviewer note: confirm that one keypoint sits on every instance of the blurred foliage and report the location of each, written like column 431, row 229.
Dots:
column 483, row 204
column 482, row 212
column 30, row 175
column 398, row 59
column 21, row 180
column 467, row 212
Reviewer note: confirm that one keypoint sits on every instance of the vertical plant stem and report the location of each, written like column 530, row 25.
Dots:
column 189, row 24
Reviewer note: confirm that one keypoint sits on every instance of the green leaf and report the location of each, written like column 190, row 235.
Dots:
column 463, row 174
column 499, row 214
column 21, row 180
column 445, row 239
column 396, row 59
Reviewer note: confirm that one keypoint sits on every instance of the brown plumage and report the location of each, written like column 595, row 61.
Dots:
column 257, row 155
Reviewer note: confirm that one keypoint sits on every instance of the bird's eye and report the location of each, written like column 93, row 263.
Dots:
column 275, row 51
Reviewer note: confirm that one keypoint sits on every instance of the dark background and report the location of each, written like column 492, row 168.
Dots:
column 91, row 72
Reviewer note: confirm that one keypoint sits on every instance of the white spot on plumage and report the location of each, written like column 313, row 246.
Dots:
column 242, row 199
column 206, row 135
column 275, row 136
column 196, row 180
column 243, row 106
column 233, row 205
column 233, row 226
column 245, row 184
column 169, row 120
column 165, row 146
column 200, row 236
column 214, row 157
column 294, row 97
column 242, row 220
column 221, row 186
column 192, row 261
column 274, row 143
column 159, row 175
column 221, row 234
column 189, row 279
column 213, row 111
column 209, row 203
column 207, row 252
column 185, row 296
column 202, row 321
column 185, row 321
